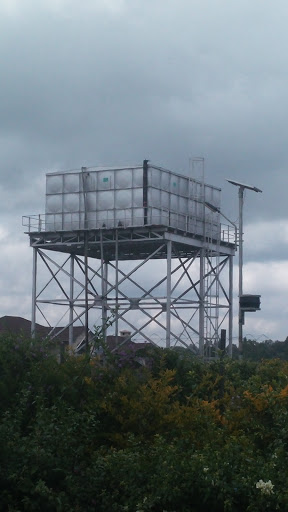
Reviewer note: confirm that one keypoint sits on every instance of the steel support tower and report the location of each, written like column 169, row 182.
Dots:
column 166, row 284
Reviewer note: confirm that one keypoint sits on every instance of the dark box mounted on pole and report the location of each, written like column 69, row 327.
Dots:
column 250, row 302
column 222, row 341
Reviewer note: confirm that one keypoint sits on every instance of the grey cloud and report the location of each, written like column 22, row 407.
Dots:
column 115, row 82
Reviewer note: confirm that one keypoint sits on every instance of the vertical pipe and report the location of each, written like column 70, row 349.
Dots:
column 85, row 175
column 34, row 285
column 104, row 303
column 168, row 306
column 104, row 277
column 116, row 286
column 145, row 190
column 86, row 290
column 241, row 314
column 71, row 298
column 230, row 320
column 201, row 303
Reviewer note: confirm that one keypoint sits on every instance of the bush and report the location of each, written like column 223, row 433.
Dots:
column 173, row 435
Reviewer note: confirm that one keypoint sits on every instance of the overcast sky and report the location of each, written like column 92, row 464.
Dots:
column 115, row 81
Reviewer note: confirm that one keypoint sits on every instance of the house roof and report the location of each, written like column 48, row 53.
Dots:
column 22, row 326
column 19, row 325
column 114, row 342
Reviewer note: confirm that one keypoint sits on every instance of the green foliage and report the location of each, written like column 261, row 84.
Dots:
column 268, row 349
column 172, row 434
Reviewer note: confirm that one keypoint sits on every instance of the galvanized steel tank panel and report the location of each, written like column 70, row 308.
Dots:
column 105, row 200
column 71, row 183
column 54, row 203
column 71, row 202
column 184, row 187
column 54, row 184
column 91, row 201
column 123, row 198
column 102, row 180
column 174, row 203
column 164, row 181
column 138, row 217
column 183, row 205
column 123, row 179
column 138, row 177
column 114, row 197
column 137, row 197
column 54, row 222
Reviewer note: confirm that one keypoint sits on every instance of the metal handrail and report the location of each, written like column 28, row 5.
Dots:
column 187, row 223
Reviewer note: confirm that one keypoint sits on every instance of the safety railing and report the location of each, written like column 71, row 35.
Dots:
column 125, row 219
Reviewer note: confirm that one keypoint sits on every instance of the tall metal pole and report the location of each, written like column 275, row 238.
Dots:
column 71, row 301
column 34, row 283
column 85, row 241
column 230, row 328
column 215, row 209
column 104, row 287
column 241, row 313
column 116, row 285
column 104, row 302
column 168, row 306
column 241, row 187
column 86, row 290
column 201, row 305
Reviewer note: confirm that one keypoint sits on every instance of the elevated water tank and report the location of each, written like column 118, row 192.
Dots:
column 96, row 198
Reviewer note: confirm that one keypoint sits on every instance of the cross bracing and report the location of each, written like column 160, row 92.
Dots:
column 158, row 283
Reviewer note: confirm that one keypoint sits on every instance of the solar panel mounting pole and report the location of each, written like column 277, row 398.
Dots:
column 216, row 209
column 241, row 187
column 240, row 312
column 84, row 178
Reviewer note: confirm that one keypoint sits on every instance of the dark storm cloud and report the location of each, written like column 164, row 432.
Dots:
column 149, row 80
column 128, row 80
column 112, row 82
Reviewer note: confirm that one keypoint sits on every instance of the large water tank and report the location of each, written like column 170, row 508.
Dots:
column 96, row 198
